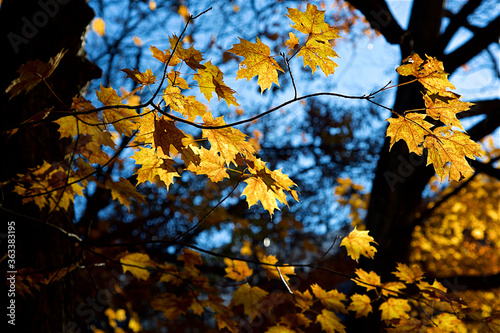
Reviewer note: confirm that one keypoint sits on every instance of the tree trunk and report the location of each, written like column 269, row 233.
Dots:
column 39, row 30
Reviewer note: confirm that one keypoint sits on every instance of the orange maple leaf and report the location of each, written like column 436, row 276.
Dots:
column 258, row 61
column 210, row 164
column 272, row 271
column 152, row 166
column 448, row 322
column 303, row 300
column 145, row 78
column 164, row 56
column 122, row 119
column 358, row 243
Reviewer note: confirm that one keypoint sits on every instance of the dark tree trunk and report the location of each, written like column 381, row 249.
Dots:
column 39, row 30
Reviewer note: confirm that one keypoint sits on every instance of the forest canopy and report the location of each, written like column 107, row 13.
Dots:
column 172, row 173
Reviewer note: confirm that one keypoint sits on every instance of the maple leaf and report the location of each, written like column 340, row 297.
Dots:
column 185, row 105
column 250, row 297
column 171, row 305
column 318, row 49
column 210, row 79
column 237, row 270
column 258, row 61
column 152, row 166
column 145, row 78
column 279, row 329
column 164, row 56
column 392, row 288
column 448, row 146
column 430, row 73
column 372, row 279
column 295, row 319
column 32, row 73
column 166, row 134
column 358, row 243
column 303, row 300
column 412, row 128
column 448, row 322
column 227, row 141
column 407, row 325
column 361, row 304
column 329, row 321
column 407, row 274
column 293, row 41
column 191, row 56
column 136, row 264
column 395, row 308
column 175, row 80
column 446, row 109
column 122, row 119
column 124, row 191
column 190, row 257
column 330, row 299
column 272, row 272
column 211, row 164
column 246, row 249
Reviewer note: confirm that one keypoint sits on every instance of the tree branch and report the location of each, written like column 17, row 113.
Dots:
column 379, row 15
column 482, row 38
column 456, row 21
column 484, row 107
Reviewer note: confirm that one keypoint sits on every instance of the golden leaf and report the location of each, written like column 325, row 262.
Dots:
column 136, row 264
column 329, row 321
column 395, row 308
column 250, row 297
column 361, row 304
column 412, row 128
column 358, row 243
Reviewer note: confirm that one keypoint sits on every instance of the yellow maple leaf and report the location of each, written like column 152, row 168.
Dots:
column 318, row 49
column 272, row 272
column 228, row 142
column 407, row 274
column 152, row 166
column 99, row 26
column 395, row 308
column 448, row 322
column 303, row 300
column 430, row 73
column 392, row 288
column 329, row 321
column 136, row 264
column 368, row 280
column 293, row 41
column 448, row 146
column 122, row 119
column 445, row 109
column 185, row 105
column 258, row 61
column 171, row 305
column 361, row 304
column 279, row 329
column 210, row 79
column 407, row 325
column 124, row 191
column 210, row 164
column 32, row 73
column 165, row 56
column 330, row 299
column 145, row 78
column 358, row 243
column 412, row 128
column 191, row 56
column 250, row 297
column 237, row 270
column 175, row 80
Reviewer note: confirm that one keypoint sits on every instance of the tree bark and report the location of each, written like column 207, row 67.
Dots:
column 29, row 31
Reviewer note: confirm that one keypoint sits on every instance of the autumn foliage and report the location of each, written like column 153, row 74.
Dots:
column 156, row 133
